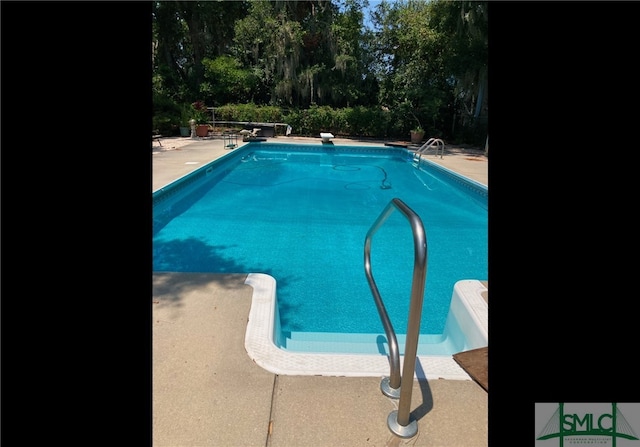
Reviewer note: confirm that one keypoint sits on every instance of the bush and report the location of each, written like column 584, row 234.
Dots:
column 166, row 115
column 359, row 121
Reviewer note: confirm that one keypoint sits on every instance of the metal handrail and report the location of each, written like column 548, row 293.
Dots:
column 431, row 142
column 399, row 421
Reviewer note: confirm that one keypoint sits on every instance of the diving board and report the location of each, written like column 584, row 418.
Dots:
column 326, row 137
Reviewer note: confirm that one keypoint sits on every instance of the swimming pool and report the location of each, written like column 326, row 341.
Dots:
column 300, row 214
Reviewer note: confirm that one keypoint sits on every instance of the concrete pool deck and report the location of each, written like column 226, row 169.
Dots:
column 208, row 392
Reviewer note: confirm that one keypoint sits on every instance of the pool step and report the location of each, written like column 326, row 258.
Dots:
column 325, row 342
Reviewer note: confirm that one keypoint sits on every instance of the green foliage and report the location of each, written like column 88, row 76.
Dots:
column 358, row 121
column 200, row 112
column 423, row 64
column 227, row 81
column 186, row 113
column 166, row 115
column 249, row 112
column 319, row 118
column 269, row 114
column 473, row 133
column 363, row 121
column 352, row 121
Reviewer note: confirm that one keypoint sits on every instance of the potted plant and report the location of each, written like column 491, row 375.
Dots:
column 201, row 115
column 417, row 134
column 410, row 109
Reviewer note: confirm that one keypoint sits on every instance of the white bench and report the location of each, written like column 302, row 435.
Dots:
column 326, row 136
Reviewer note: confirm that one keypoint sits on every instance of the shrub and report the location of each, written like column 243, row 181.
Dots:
column 166, row 115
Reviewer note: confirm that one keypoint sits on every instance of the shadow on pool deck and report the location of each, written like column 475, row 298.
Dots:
column 208, row 392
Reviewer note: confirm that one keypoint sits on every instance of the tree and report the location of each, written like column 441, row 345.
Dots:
column 411, row 75
column 185, row 33
column 432, row 59
column 463, row 26
column 270, row 45
column 351, row 75
column 170, row 67
column 425, row 61
column 227, row 81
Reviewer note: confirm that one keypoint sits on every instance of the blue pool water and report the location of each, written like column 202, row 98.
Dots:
column 300, row 213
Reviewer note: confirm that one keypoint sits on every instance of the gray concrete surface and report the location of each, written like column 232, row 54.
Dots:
column 208, row 392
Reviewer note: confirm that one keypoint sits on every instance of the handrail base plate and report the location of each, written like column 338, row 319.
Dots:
column 385, row 387
column 403, row 431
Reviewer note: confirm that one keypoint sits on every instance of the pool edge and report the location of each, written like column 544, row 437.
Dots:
column 262, row 350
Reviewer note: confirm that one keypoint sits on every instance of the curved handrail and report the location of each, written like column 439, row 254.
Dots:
column 402, row 426
column 431, row 142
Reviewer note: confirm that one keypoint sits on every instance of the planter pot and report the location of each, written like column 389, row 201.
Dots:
column 202, row 130
column 185, row 131
column 416, row 137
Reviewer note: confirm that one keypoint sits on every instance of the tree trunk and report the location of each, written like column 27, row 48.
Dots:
column 191, row 14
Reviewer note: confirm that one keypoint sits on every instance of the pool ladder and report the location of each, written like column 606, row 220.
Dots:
column 436, row 143
column 399, row 421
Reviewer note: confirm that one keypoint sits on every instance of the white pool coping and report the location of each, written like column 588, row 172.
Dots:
column 471, row 309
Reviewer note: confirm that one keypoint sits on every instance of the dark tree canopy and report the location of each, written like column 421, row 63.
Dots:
column 424, row 59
